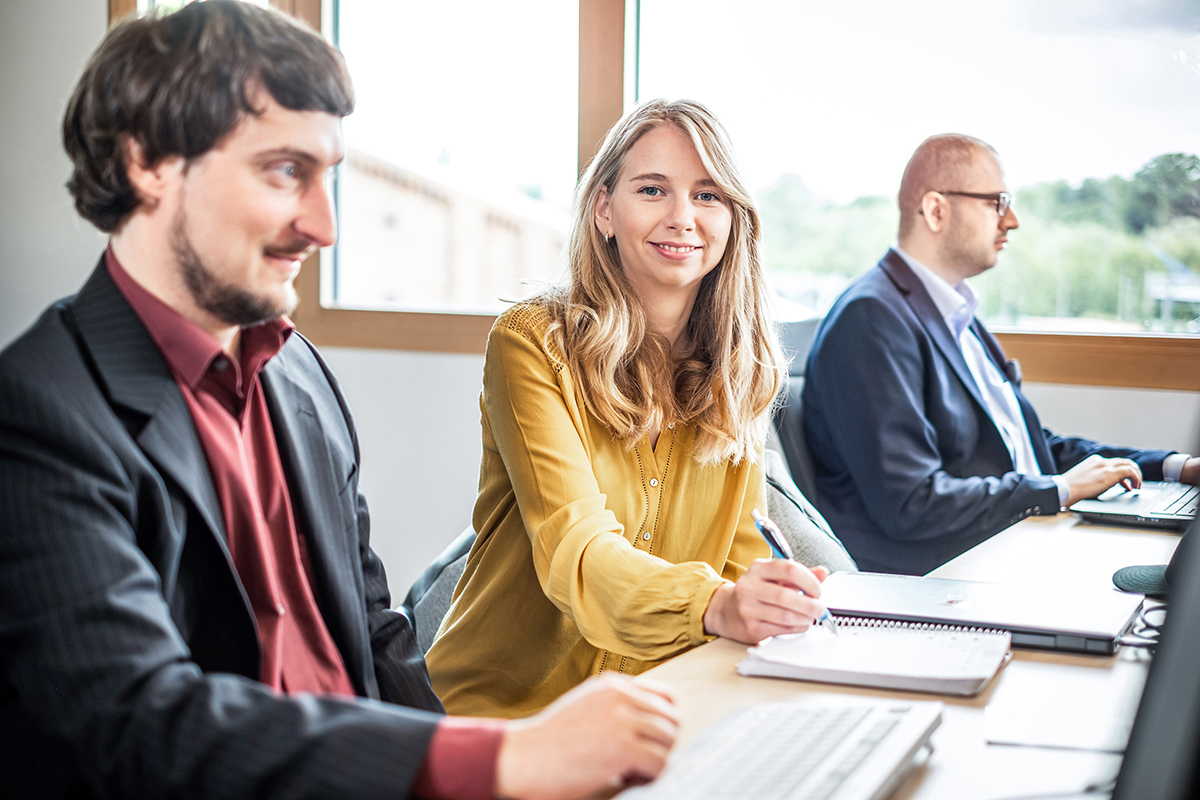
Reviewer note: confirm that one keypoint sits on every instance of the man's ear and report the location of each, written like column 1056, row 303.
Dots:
column 600, row 213
column 150, row 181
column 934, row 211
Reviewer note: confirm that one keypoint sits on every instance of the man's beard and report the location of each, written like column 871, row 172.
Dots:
column 228, row 303
column 969, row 254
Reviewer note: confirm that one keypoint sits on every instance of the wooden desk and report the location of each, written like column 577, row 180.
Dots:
column 1043, row 549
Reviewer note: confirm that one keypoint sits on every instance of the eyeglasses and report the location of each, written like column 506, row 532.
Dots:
column 1003, row 200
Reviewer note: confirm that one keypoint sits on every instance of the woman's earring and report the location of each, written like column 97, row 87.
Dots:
column 607, row 238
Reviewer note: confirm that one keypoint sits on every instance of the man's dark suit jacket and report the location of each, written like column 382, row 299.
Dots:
column 910, row 469
column 129, row 657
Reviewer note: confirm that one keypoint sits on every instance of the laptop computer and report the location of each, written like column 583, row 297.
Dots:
column 1048, row 618
column 1157, row 504
column 825, row 747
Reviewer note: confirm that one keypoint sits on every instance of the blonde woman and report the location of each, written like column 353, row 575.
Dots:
column 624, row 417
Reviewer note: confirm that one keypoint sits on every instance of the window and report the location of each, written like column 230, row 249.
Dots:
column 456, row 190
column 1154, row 361
column 601, row 38
column 1094, row 108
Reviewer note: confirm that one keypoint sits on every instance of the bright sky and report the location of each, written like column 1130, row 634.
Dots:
column 841, row 93
column 838, row 93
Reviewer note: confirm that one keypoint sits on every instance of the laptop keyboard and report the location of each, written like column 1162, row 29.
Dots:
column 779, row 750
column 1184, row 504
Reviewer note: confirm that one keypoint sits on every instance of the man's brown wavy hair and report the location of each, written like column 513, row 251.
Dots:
column 178, row 84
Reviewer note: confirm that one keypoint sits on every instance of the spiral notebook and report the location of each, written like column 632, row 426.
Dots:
column 886, row 654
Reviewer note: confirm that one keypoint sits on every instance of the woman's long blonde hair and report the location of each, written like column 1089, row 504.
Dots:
column 727, row 367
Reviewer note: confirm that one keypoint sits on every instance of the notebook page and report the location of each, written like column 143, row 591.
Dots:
column 884, row 654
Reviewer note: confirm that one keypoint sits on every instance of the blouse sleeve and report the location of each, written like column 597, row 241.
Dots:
column 622, row 599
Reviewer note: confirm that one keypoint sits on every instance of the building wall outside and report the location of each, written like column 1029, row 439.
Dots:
column 414, row 241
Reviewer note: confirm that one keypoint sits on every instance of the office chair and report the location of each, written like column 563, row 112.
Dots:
column 429, row 598
column 796, row 338
column 812, row 541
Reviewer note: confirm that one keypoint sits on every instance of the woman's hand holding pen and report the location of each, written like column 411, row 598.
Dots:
column 774, row 596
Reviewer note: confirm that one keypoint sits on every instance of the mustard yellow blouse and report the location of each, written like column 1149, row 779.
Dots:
column 590, row 557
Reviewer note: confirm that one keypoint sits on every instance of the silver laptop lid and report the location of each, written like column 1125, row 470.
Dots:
column 1043, row 617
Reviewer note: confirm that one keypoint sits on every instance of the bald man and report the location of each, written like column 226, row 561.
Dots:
column 922, row 442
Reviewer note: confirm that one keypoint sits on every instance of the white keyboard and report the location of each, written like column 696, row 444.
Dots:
column 818, row 749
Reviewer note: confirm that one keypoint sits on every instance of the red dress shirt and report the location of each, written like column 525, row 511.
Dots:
column 225, row 398
column 226, row 402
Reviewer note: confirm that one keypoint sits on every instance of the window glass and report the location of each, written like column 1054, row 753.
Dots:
column 461, row 152
column 1093, row 106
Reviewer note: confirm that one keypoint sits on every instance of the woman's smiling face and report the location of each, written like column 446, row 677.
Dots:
column 670, row 220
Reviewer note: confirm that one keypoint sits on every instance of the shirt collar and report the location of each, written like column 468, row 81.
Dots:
column 191, row 351
column 956, row 304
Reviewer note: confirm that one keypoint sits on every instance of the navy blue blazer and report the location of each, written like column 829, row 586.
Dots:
column 129, row 658
column 910, row 469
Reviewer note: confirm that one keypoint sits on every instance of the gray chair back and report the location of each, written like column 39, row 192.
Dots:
column 796, row 338
column 812, row 541
column 429, row 598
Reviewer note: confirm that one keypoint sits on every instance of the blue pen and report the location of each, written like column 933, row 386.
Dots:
column 781, row 549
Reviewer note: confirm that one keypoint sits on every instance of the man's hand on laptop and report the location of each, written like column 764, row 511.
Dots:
column 604, row 734
column 1096, row 474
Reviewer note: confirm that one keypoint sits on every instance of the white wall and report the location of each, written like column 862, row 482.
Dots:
column 417, row 413
column 45, row 249
column 418, row 428
column 1134, row 417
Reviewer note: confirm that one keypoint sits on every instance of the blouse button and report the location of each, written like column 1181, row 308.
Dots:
column 279, row 609
column 654, row 481
column 646, row 536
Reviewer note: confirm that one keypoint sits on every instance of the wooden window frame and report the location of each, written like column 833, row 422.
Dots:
column 601, row 100
column 120, row 8
column 1143, row 361
column 601, row 88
